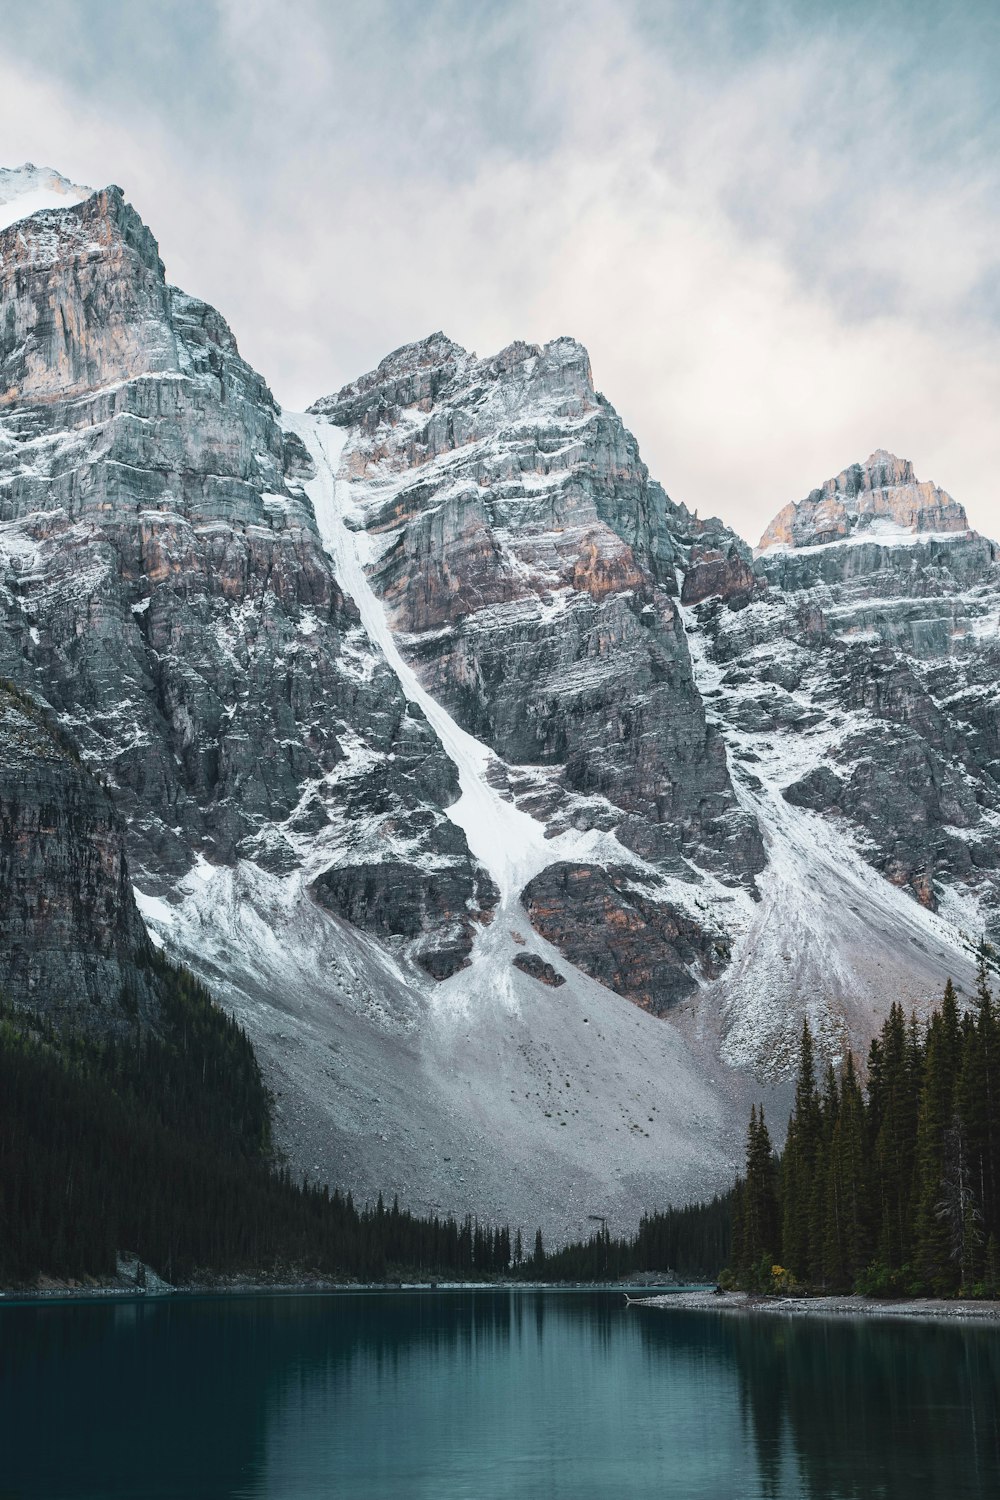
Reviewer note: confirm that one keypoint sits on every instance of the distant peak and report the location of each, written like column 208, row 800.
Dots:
column 28, row 190
column 435, row 349
column 437, row 345
column 879, row 498
column 883, row 467
column 410, row 373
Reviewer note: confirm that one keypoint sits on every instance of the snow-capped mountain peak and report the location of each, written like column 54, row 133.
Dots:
column 28, row 189
column 881, row 497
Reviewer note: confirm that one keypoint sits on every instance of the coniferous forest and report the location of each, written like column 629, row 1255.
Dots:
column 159, row 1146
column 887, row 1187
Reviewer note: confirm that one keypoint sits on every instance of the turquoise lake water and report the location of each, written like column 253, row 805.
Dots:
column 490, row 1396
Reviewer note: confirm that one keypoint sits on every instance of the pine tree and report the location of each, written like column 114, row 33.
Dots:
column 855, row 1175
column 940, row 1151
column 821, row 1179
column 760, row 1217
column 798, row 1177
column 979, row 1100
column 899, row 1060
column 538, row 1259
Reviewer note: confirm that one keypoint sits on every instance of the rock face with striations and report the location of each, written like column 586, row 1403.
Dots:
column 529, row 566
column 613, row 924
column 164, row 587
column 882, row 496
column 73, row 941
column 864, row 672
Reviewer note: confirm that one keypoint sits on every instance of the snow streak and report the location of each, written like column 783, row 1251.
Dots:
column 509, row 843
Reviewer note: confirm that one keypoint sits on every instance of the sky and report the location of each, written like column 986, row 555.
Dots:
column 775, row 224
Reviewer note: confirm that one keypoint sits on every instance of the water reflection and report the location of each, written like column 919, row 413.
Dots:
column 897, row 1410
column 487, row 1395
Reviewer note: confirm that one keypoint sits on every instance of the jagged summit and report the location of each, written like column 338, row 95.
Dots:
column 880, row 498
column 28, row 189
column 421, row 374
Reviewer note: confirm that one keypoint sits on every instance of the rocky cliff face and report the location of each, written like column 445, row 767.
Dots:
column 73, row 942
column 164, row 586
column 529, row 566
column 882, row 496
column 853, row 688
column 903, row 629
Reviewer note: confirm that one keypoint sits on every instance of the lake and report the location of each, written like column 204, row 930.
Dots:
column 490, row 1396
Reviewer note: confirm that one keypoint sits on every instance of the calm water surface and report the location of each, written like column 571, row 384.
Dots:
column 488, row 1395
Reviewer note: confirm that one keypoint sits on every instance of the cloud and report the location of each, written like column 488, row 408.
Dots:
column 778, row 239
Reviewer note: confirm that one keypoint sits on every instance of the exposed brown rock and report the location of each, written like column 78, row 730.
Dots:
column 395, row 899
column 883, row 488
column 612, row 924
column 726, row 570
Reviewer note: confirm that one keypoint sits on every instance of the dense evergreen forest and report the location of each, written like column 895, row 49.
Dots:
column 160, row 1146
column 890, row 1188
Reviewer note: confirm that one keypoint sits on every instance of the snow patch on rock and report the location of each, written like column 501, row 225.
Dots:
column 29, row 190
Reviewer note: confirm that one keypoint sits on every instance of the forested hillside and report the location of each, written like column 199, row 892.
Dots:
column 160, row 1146
column 891, row 1185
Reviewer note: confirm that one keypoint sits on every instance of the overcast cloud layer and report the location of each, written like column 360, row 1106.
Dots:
column 775, row 226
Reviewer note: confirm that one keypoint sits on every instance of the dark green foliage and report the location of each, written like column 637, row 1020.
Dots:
column 160, row 1147
column 760, row 1231
column 799, row 1189
column 894, row 1140
column 898, row 1193
column 693, row 1241
column 847, row 1188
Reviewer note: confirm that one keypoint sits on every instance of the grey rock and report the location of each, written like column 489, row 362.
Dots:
column 538, row 968
column 398, row 899
column 74, row 946
column 162, row 581
column 874, row 637
column 528, row 563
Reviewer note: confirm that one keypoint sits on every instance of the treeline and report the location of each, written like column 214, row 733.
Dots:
column 160, row 1146
column 890, row 1188
column 693, row 1241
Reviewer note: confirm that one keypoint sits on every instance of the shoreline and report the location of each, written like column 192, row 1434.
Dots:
column 685, row 1298
column 122, row 1291
column 744, row 1304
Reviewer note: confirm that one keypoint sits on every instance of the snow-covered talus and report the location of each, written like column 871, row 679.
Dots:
column 527, row 1104
column 831, row 938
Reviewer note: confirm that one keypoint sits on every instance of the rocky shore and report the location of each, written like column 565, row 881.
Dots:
column 748, row 1305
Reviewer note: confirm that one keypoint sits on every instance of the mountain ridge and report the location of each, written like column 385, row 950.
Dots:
column 303, row 650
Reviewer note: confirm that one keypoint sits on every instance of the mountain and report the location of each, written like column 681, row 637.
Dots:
column 26, row 190
column 518, row 813
column 853, row 689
